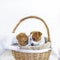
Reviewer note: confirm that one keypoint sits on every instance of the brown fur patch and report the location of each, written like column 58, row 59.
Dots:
column 22, row 39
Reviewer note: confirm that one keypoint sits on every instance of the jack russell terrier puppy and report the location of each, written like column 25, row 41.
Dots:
column 36, row 38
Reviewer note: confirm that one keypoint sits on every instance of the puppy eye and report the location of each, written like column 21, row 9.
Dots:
column 26, row 42
column 34, row 39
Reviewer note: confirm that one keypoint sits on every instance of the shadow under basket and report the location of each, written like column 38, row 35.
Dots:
column 32, row 56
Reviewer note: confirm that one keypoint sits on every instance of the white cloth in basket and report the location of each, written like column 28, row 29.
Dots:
column 6, row 42
column 40, row 47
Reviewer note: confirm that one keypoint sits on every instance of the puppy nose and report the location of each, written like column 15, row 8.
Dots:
column 32, row 44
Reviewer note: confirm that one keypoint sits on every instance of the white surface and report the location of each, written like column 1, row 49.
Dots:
column 13, row 10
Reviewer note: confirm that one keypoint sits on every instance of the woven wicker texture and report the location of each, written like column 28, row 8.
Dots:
column 32, row 56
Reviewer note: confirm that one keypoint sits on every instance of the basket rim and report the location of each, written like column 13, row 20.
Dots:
column 35, row 51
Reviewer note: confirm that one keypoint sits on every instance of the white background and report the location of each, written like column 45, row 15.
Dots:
column 11, row 11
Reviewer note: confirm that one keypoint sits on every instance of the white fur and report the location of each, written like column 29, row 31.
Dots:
column 42, row 41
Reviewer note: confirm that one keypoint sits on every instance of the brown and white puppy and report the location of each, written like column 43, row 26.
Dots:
column 36, row 35
column 22, row 39
column 36, row 38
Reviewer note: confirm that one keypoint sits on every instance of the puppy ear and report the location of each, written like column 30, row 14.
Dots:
column 40, row 33
column 17, row 37
column 35, row 32
column 31, row 33
column 20, row 34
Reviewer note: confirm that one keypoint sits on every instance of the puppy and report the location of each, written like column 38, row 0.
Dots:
column 22, row 39
column 36, row 38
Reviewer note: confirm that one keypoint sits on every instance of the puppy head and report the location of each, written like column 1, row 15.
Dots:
column 22, row 39
column 36, row 35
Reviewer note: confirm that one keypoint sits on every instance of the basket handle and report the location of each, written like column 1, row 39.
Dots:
column 35, row 18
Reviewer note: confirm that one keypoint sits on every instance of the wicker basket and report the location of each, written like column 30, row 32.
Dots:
column 32, row 55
